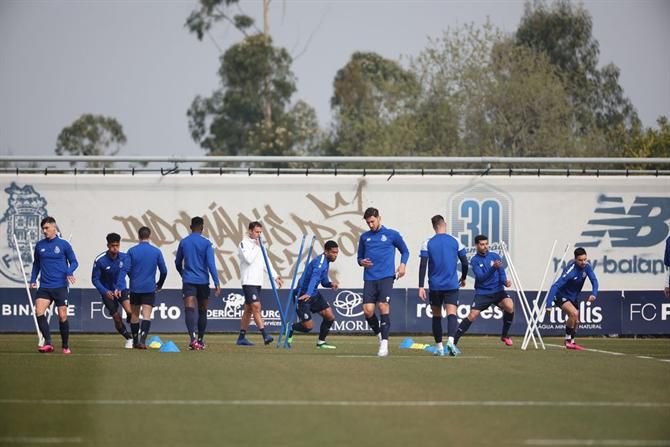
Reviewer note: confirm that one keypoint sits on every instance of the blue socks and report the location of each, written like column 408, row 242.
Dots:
column 508, row 317
column 325, row 328
column 189, row 317
column 452, row 325
column 44, row 328
column 64, row 327
column 462, row 329
column 202, row 323
column 437, row 328
column 385, row 326
column 373, row 322
column 145, row 325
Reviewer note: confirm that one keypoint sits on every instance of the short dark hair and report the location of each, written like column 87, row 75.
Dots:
column 197, row 222
column 330, row 245
column 47, row 220
column 480, row 237
column 144, row 233
column 579, row 251
column 113, row 237
column 255, row 224
column 437, row 220
column 371, row 212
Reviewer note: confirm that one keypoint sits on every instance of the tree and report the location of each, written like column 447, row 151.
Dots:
column 563, row 31
column 372, row 103
column 499, row 99
column 222, row 123
column 91, row 135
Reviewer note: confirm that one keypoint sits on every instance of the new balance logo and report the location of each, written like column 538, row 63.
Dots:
column 642, row 225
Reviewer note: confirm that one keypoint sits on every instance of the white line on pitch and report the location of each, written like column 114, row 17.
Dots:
column 56, row 354
column 599, row 442
column 461, row 357
column 338, row 403
column 35, row 440
column 613, row 353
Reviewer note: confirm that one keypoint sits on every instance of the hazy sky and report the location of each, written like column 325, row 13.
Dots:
column 135, row 61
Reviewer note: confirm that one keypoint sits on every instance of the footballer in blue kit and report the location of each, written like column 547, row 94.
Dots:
column 376, row 254
column 440, row 255
column 144, row 259
column 490, row 283
column 109, row 278
column 310, row 301
column 195, row 263
column 564, row 293
column 54, row 262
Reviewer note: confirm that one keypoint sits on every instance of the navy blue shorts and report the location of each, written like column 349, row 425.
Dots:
column 483, row 302
column 313, row 305
column 113, row 305
column 252, row 294
column 561, row 301
column 58, row 295
column 441, row 297
column 378, row 291
column 200, row 291
column 142, row 298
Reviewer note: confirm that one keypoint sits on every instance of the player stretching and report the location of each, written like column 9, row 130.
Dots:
column 441, row 254
column 55, row 263
column 565, row 293
column 108, row 277
column 490, row 283
column 144, row 260
column 310, row 300
column 376, row 254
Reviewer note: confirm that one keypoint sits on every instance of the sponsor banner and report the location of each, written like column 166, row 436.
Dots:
column 645, row 313
column 621, row 221
column 640, row 312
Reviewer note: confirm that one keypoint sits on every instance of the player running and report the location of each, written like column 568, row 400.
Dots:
column 310, row 300
column 565, row 293
column 490, row 283
column 108, row 277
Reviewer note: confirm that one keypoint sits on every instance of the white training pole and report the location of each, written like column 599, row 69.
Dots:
column 40, row 338
column 536, row 303
column 543, row 307
column 523, row 300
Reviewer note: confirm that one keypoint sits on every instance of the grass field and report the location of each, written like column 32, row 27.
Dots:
column 103, row 395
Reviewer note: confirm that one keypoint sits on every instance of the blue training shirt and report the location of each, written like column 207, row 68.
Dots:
column 570, row 284
column 443, row 252
column 315, row 273
column 488, row 280
column 379, row 247
column 144, row 260
column 195, row 258
column 109, row 274
column 54, row 262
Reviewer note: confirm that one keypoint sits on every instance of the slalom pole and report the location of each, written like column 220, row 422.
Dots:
column 536, row 303
column 290, row 291
column 272, row 280
column 293, row 305
column 543, row 307
column 523, row 300
column 40, row 338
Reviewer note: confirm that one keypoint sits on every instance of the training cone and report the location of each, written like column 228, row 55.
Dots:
column 169, row 346
column 430, row 348
column 406, row 343
column 155, row 342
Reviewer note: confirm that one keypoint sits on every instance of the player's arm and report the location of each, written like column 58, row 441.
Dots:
column 594, row 282
column 162, row 268
column 423, row 267
column 502, row 275
column 404, row 254
column 36, row 268
column 462, row 256
column 314, row 279
column 481, row 273
column 211, row 265
column 179, row 258
column 72, row 262
column 123, row 272
column 95, row 279
column 249, row 252
column 361, row 259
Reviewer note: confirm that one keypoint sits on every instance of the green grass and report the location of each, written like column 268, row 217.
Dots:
column 100, row 369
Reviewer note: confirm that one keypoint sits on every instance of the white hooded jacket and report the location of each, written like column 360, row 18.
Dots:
column 252, row 264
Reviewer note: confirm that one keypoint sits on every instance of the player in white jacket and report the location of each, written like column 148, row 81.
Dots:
column 252, row 269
